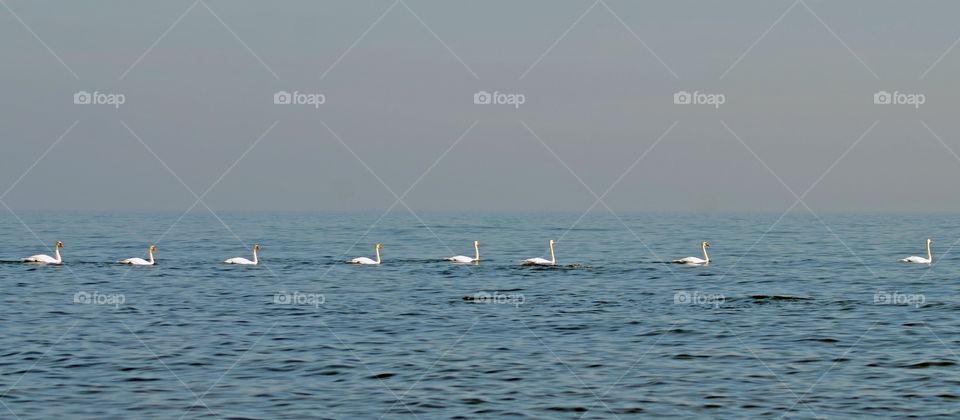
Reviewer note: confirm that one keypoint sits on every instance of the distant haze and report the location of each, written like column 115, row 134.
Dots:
column 798, row 96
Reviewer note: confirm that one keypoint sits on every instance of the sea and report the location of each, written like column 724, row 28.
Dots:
column 796, row 316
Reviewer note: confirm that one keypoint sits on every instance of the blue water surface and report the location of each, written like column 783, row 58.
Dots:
column 800, row 317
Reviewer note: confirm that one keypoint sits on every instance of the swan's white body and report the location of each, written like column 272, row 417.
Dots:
column 694, row 260
column 920, row 260
column 244, row 261
column 46, row 259
column 542, row 261
column 367, row 261
column 141, row 261
column 466, row 259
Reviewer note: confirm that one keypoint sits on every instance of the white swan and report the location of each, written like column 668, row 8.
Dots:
column 694, row 260
column 921, row 260
column 541, row 261
column 244, row 261
column 141, row 261
column 365, row 260
column 466, row 259
column 46, row 259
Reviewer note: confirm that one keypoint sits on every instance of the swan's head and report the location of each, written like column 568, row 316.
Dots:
column 256, row 247
column 551, row 242
column 379, row 246
column 59, row 244
column 705, row 244
column 153, row 248
column 929, row 241
column 476, row 243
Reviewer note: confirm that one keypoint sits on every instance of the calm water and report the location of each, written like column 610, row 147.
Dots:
column 792, row 328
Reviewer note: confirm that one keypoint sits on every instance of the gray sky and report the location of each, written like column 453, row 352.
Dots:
column 598, row 90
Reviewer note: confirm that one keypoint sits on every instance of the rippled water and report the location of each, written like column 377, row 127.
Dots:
column 797, row 327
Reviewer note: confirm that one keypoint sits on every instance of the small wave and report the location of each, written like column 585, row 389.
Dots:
column 684, row 356
column 138, row 379
column 574, row 409
column 820, row 340
column 924, row 365
column 569, row 327
column 779, row 297
column 473, row 401
column 630, row 410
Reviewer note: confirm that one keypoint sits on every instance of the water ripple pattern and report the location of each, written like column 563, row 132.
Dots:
column 798, row 327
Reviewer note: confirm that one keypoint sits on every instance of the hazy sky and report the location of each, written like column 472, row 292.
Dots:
column 399, row 87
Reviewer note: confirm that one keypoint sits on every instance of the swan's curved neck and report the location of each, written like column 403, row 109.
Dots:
column 476, row 252
column 705, row 256
column 377, row 250
column 254, row 255
column 553, row 258
column 929, row 255
column 56, row 254
column 150, row 252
